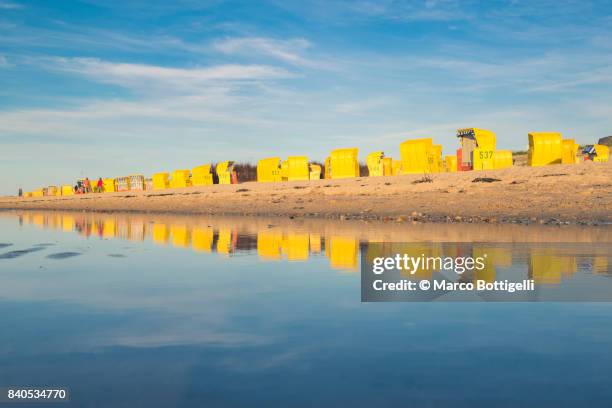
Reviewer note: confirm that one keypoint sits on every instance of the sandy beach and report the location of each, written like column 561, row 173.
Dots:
column 559, row 194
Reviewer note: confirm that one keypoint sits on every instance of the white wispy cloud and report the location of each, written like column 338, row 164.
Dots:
column 141, row 75
column 464, row 69
column 63, row 35
column 288, row 51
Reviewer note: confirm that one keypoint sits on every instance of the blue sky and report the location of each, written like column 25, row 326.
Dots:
column 103, row 88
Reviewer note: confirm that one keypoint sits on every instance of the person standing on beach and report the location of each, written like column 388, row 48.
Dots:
column 100, row 186
column 87, row 185
column 20, row 193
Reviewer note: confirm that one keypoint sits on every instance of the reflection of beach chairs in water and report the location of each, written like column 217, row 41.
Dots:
column 547, row 266
column 314, row 243
column 269, row 244
column 67, row 223
column 226, row 241
column 342, row 252
column 493, row 256
column 137, row 230
column 600, row 265
column 180, row 236
column 123, row 228
column 295, row 246
column 202, row 239
column 160, row 233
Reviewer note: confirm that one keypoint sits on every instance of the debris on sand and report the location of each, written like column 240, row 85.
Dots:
column 485, row 180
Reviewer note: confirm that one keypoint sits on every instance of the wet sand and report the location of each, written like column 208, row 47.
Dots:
column 559, row 194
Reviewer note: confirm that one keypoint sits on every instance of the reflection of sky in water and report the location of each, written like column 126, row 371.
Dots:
column 167, row 325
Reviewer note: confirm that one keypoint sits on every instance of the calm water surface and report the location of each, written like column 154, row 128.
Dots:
column 129, row 310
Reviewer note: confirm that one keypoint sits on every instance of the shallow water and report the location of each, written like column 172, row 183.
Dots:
column 143, row 310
